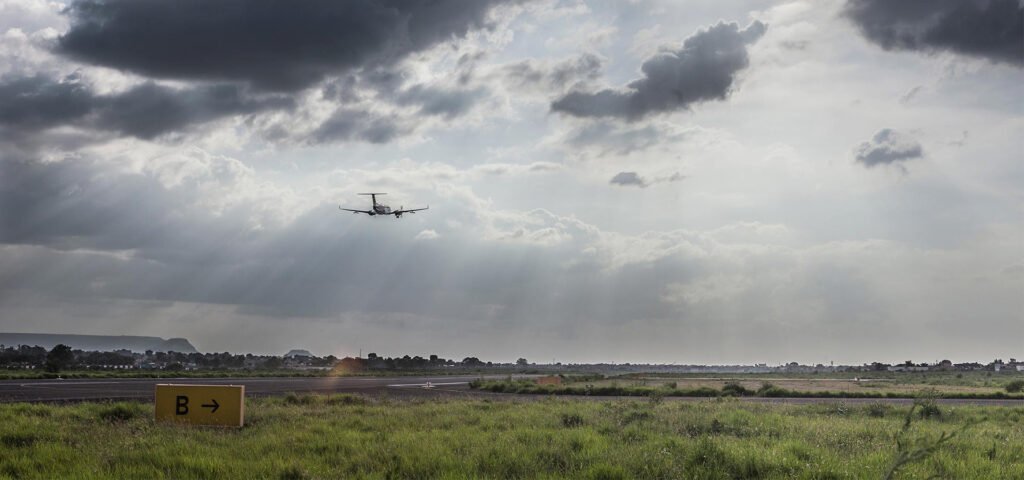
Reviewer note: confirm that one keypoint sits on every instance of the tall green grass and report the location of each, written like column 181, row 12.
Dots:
column 730, row 389
column 344, row 436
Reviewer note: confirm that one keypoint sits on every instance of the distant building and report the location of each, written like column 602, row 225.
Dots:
column 298, row 352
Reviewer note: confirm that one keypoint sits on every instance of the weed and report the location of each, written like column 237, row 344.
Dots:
column 878, row 410
column 572, row 420
column 119, row 412
column 293, row 472
column 295, row 399
column 346, row 399
column 913, row 449
column 18, row 439
column 929, row 409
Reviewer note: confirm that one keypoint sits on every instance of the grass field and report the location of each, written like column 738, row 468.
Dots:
column 893, row 385
column 971, row 379
column 295, row 437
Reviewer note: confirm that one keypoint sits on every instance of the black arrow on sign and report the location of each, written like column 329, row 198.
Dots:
column 214, row 407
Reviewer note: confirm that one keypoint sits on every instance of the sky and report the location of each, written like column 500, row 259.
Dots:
column 609, row 181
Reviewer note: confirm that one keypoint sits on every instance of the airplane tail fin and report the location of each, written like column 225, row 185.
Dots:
column 373, row 196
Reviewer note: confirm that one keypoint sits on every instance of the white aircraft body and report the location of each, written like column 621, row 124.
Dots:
column 381, row 209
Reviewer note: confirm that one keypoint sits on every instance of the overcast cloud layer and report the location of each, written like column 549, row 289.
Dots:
column 688, row 182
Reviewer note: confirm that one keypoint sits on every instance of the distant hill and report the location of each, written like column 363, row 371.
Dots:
column 102, row 343
column 298, row 352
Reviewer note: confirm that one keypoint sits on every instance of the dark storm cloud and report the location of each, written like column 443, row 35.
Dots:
column 888, row 147
column 29, row 105
column 37, row 103
column 150, row 110
column 992, row 29
column 363, row 125
column 270, row 44
column 702, row 70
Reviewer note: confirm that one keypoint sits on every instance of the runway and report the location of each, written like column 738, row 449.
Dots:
column 142, row 388
column 406, row 386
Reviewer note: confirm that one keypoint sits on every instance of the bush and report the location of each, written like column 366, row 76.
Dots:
column 293, row 472
column 346, row 399
column 878, row 410
column 293, row 399
column 572, row 420
column 930, row 409
column 119, row 412
column 18, row 439
column 1015, row 386
column 701, row 392
column 734, row 389
column 776, row 392
column 607, row 472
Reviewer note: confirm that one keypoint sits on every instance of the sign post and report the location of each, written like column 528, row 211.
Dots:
column 201, row 404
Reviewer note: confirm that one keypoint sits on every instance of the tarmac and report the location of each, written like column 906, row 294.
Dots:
column 444, row 386
column 76, row 390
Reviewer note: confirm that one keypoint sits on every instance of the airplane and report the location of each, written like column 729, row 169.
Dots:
column 381, row 209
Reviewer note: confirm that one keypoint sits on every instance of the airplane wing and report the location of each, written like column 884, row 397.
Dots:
column 356, row 211
column 411, row 210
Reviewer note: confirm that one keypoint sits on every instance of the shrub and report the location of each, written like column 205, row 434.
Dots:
column 18, row 439
column 1015, row 386
column 346, row 399
column 929, row 409
column 572, row 420
column 878, row 410
column 776, row 392
column 734, row 389
column 293, row 399
column 293, row 472
column 701, row 392
column 119, row 412
column 607, row 472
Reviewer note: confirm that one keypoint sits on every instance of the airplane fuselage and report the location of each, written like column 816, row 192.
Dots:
column 381, row 209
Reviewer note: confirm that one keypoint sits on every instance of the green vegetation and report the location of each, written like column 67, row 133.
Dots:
column 59, row 358
column 730, row 389
column 978, row 378
column 345, row 436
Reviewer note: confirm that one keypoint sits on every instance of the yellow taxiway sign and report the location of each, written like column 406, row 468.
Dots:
column 201, row 404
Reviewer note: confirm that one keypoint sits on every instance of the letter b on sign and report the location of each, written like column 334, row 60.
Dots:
column 192, row 404
column 181, row 405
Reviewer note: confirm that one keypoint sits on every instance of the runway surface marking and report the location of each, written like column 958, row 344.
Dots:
column 427, row 384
